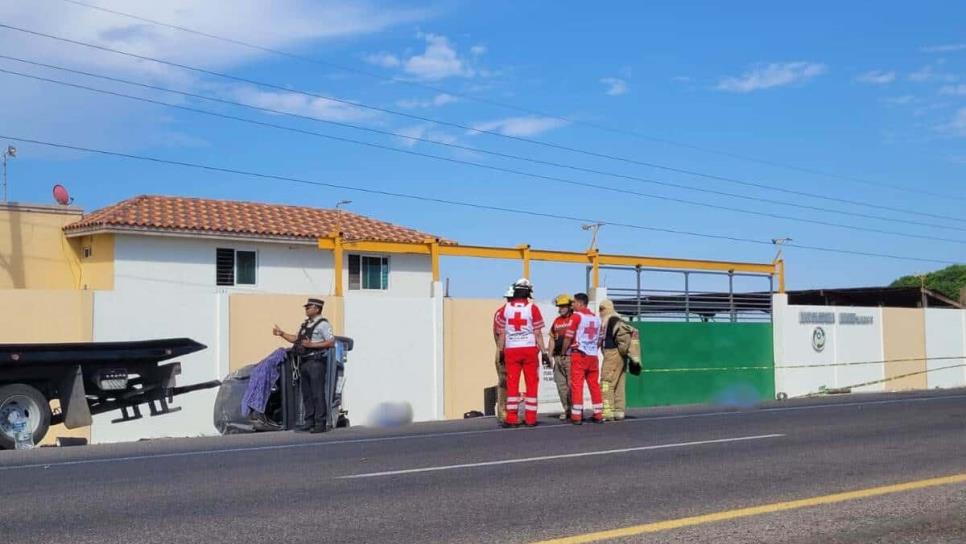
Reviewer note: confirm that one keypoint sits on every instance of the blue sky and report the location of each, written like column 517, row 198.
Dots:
column 877, row 94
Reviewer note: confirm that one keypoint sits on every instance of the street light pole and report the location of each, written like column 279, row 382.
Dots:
column 11, row 151
column 338, row 209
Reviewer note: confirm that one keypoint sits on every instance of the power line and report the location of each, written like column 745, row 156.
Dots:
column 470, row 148
column 466, row 127
column 465, row 204
column 555, row 179
column 514, row 107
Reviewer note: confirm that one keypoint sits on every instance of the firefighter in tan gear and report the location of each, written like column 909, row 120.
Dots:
column 615, row 341
column 561, row 359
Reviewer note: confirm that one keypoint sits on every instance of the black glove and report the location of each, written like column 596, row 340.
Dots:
column 546, row 360
column 634, row 367
column 502, row 358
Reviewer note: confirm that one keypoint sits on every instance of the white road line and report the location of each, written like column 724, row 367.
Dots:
column 561, row 456
column 444, row 434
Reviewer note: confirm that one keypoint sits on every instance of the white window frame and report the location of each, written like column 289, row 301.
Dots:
column 235, row 283
column 361, row 256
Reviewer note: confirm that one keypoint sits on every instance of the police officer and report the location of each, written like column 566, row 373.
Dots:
column 311, row 344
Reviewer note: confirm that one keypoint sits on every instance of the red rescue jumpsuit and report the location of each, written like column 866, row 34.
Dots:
column 518, row 320
column 585, row 333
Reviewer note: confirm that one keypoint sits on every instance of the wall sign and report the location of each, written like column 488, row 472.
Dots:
column 816, row 318
column 849, row 318
column 819, row 339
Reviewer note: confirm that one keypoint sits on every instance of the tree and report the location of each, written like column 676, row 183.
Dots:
column 947, row 281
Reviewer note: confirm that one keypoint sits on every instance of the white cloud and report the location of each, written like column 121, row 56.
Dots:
column 478, row 50
column 957, row 126
column 434, row 102
column 615, row 86
column 299, row 104
column 876, row 77
column 903, row 100
column 424, row 131
column 71, row 114
column 386, row 60
column 521, row 126
column 439, row 61
column 767, row 76
column 928, row 73
column 955, row 90
column 946, row 48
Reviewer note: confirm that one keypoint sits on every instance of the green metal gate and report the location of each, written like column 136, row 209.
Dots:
column 678, row 346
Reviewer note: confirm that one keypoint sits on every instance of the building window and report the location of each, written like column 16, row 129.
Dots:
column 368, row 273
column 88, row 252
column 234, row 267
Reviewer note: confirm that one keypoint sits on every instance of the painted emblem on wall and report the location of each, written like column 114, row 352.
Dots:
column 818, row 339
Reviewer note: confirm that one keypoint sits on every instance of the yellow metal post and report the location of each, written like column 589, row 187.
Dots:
column 434, row 257
column 337, row 258
column 525, row 255
column 594, row 256
column 780, row 266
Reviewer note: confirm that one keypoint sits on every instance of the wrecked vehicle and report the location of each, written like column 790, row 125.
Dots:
column 284, row 407
column 88, row 378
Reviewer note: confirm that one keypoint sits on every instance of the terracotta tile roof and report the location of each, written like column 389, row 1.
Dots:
column 227, row 217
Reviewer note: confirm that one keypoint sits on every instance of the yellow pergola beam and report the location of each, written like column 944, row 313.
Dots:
column 525, row 253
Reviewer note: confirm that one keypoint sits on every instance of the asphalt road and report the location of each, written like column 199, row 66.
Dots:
column 469, row 482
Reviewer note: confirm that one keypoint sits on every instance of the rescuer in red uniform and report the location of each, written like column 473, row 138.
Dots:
column 518, row 328
column 583, row 341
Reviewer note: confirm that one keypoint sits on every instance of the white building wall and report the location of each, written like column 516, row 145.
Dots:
column 149, row 314
column 945, row 337
column 394, row 358
column 800, row 366
column 188, row 264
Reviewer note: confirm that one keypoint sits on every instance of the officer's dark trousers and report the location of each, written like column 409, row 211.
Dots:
column 312, row 375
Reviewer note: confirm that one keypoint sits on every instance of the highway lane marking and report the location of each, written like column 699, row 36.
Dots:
column 552, row 457
column 821, row 500
column 443, row 434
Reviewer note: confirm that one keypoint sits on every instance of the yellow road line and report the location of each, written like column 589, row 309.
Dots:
column 756, row 510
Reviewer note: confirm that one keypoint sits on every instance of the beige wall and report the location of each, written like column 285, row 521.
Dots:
column 33, row 251
column 251, row 317
column 47, row 316
column 96, row 271
column 468, row 353
column 904, row 337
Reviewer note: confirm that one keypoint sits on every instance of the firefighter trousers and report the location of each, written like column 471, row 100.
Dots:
column 500, row 387
column 561, row 376
column 525, row 361
column 612, row 385
column 584, row 368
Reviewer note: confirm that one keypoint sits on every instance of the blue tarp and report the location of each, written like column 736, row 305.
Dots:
column 260, row 382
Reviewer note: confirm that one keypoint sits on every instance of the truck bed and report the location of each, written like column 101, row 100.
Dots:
column 141, row 351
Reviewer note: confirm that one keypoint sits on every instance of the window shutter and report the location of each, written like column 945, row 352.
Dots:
column 224, row 266
column 355, row 275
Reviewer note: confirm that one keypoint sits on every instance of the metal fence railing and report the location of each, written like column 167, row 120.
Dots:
column 672, row 298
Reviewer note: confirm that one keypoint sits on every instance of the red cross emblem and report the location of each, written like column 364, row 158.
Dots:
column 591, row 331
column 518, row 322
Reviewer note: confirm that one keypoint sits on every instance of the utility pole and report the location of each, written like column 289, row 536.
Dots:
column 11, row 152
column 595, row 228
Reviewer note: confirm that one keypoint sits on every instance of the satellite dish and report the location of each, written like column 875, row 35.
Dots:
column 62, row 196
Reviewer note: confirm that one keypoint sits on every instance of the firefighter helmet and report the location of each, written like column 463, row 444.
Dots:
column 563, row 300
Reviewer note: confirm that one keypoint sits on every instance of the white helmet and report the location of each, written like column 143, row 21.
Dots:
column 523, row 283
column 509, row 292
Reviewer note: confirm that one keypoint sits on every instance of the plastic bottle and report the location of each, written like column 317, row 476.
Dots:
column 22, row 434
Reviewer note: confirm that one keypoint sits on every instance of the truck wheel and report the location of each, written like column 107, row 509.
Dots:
column 30, row 402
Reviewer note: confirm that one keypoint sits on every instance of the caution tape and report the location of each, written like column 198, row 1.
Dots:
column 804, row 365
column 848, row 388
